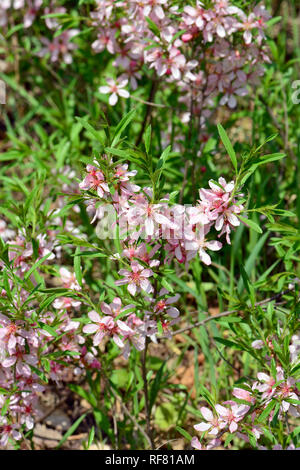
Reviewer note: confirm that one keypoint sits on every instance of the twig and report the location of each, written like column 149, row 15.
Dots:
column 149, row 103
column 186, row 167
column 131, row 417
column 167, row 442
column 148, row 112
column 147, row 404
column 115, row 428
column 228, row 312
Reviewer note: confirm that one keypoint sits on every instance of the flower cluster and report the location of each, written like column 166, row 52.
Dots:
column 59, row 47
column 209, row 53
column 29, row 350
column 152, row 234
column 123, row 333
column 244, row 419
column 29, row 8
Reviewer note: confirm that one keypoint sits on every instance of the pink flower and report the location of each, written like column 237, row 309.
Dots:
column 243, row 394
column 137, row 279
column 66, row 302
column 235, row 88
column 33, row 8
column 115, row 89
column 8, row 335
column 154, row 6
column 104, row 326
column 69, row 279
column 131, row 334
column 257, row 344
column 122, row 177
column 198, row 243
column 164, row 305
column 61, row 46
column 150, row 217
column 105, row 40
column 287, row 390
column 218, row 194
column 267, row 388
column 52, row 23
column 213, row 424
column 195, row 15
column 232, row 415
column 95, row 180
column 115, row 307
column 173, row 64
column 196, row 444
column 8, row 430
column 5, row 232
column 141, row 252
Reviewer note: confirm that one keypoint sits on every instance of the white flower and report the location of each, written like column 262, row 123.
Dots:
column 116, row 89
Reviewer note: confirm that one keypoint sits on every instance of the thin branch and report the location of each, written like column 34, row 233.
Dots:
column 149, row 103
column 147, row 113
column 131, row 417
column 229, row 312
column 146, row 394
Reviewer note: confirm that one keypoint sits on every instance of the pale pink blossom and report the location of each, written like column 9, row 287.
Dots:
column 137, row 279
column 95, row 180
column 197, row 243
column 68, row 279
column 243, row 394
column 115, row 89
column 213, row 423
column 33, row 7
column 232, row 415
column 102, row 326
column 8, row 430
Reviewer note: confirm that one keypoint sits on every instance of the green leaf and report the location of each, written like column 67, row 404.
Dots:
column 251, row 224
column 228, row 146
column 77, row 266
column 155, row 387
column 147, row 138
column 184, row 433
column 166, row 285
column 36, row 265
column 165, row 416
column 87, row 395
column 90, row 254
column 117, row 152
column 49, row 329
column 245, row 278
column 91, row 437
column 71, row 430
column 153, row 27
column 266, row 411
column 91, row 130
column 228, row 439
column 228, row 343
column 61, row 153
column 122, row 126
column 162, row 161
column 119, row 377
